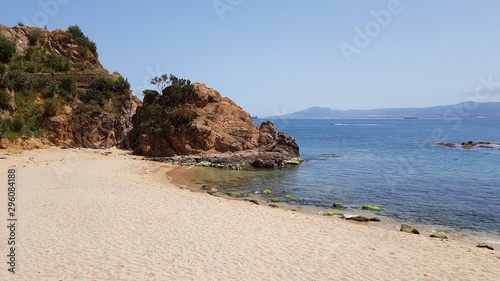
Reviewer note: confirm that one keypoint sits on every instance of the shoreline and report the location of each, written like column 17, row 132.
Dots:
column 108, row 215
column 182, row 177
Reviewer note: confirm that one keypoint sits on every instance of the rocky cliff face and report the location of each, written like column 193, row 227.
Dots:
column 221, row 127
column 60, row 114
column 57, row 41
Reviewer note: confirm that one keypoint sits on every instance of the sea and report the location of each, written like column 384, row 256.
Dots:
column 392, row 163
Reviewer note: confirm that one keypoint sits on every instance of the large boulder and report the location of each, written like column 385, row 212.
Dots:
column 221, row 127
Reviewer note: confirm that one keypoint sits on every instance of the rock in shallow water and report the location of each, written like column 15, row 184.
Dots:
column 371, row 207
column 337, row 205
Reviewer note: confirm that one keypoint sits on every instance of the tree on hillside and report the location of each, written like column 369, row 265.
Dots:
column 161, row 82
column 7, row 50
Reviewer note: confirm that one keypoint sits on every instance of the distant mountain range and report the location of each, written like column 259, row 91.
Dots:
column 461, row 110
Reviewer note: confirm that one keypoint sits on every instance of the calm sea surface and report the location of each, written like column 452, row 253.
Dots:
column 393, row 164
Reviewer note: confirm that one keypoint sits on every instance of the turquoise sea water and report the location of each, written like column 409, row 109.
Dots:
column 393, row 164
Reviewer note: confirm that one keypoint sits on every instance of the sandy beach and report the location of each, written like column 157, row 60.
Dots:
column 108, row 215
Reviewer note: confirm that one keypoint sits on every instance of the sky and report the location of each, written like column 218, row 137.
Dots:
column 277, row 57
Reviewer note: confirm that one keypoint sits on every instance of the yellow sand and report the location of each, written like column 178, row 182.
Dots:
column 83, row 215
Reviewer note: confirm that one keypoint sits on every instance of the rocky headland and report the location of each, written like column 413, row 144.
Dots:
column 54, row 91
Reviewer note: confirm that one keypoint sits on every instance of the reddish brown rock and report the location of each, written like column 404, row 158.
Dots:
column 221, row 127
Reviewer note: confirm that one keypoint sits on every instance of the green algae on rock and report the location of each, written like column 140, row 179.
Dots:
column 371, row 207
column 409, row 228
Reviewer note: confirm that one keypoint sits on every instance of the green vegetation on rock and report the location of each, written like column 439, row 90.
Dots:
column 291, row 197
column 167, row 111
column 275, row 200
column 295, row 161
column 37, row 84
column 371, row 207
column 337, row 205
column 333, row 213
column 409, row 228
column 267, row 191
column 83, row 41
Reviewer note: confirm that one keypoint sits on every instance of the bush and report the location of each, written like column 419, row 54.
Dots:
column 68, row 84
column 181, row 117
column 49, row 91
column 38, row 83
column 50, row 107
column 122, row 86
column 77, row 34
column 100, row 90
column 3, row 69
column 10, row 136
column 33, row 37
column 7, row 50
column 40, row 60
column 17, row 124
column 4, row 98
column 17, row 80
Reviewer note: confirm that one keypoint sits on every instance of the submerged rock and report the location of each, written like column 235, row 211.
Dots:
column 371, row 207
column 439, row 234
column 448, row 144
column 409, row 228
column 329, row 155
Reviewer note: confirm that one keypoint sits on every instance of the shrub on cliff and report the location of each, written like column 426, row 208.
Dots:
column 68, row 87
column 121, row 85
column 181, row 117
column 7, row 50
column 100, row 90
column 33, row 37
column 4, row 98
column 169, row 110
column 82, row 40
column 17, row 80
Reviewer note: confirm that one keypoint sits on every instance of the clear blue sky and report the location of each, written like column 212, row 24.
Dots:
column 277, row 57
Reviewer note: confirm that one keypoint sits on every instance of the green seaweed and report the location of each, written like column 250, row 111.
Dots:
column 295, row 161
column 267, row 191
column 291, row 197
column 333, row 213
